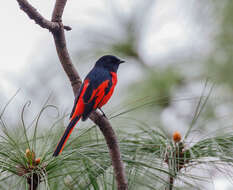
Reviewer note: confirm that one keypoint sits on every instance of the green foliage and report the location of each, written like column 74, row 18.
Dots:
column 220, row 62
column 152, row 159
column 158, row 83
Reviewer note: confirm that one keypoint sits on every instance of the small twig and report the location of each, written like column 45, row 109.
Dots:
column 33, row 181
column 171, row 181
column 36, row 16
column 67, row 28
column 175, row 159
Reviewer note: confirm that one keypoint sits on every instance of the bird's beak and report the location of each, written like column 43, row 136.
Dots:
column 121, row 61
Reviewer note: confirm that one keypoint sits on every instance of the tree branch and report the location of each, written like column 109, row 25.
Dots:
column 114, row 150
column 64, row 57
column 171, row 182
column 57, row 29
column 58, row 10
column 38, row 18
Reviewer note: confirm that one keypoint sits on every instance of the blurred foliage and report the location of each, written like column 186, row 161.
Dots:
column 158, row 83
column 220, row 62
column 151, row 158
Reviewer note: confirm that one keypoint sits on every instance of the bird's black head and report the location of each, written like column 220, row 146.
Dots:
column 109, row 62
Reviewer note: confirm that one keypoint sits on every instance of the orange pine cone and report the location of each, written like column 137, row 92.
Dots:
column 37, row 161
column 176, row 136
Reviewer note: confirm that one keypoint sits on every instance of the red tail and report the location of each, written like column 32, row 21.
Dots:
column 65, row 136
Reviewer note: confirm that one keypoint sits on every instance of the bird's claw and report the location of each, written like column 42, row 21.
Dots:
column 103, row 113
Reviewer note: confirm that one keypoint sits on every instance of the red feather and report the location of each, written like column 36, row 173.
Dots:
column 79, row 108
column 109, row 95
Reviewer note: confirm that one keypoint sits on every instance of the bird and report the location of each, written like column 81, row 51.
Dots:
column 96, row 90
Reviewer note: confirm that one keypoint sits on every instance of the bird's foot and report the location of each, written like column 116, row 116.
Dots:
column 103, row 113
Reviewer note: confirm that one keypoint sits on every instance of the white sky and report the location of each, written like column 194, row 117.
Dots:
column 19, row 36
